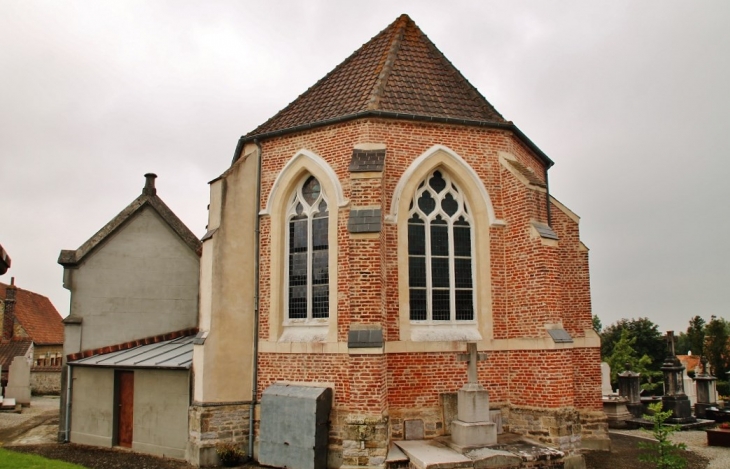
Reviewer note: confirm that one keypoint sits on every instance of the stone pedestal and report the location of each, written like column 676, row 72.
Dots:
column 680, row 407
column 472, row 403
column 706, row 392
column 616, row 412
column 19, row 381
column 472, row 428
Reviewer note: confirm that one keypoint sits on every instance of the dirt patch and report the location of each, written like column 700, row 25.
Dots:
column 625, row 453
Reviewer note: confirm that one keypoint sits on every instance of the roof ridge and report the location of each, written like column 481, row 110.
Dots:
column 390, row 59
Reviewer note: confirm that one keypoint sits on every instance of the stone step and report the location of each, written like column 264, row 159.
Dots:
column 429, row 454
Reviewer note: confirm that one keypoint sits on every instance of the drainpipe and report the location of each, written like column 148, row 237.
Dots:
column 257, row 247
column 547, row 199
column 67, row 423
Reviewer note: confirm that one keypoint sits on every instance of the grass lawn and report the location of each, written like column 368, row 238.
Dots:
column 12, row 460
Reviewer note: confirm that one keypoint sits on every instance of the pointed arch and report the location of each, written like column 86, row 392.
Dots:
column 440, row 155
column 304, row 161
column 476, row 326
column 312, row 327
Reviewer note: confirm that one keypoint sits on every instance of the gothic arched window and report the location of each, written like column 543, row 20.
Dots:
column 308, row 252
column 440, row 269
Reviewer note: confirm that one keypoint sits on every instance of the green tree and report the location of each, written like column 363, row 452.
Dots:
column 682, row 346
column 696, row 335
column 597, row 326
column 624, row 353
column 664, row 453
column 649, row 340
column 717, row 332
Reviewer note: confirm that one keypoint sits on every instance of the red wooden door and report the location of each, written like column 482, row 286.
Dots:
column 125, row 416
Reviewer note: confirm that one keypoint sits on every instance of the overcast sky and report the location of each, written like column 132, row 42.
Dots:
column 630, row 99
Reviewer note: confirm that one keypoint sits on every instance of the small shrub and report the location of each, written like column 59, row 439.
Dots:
column 663, row 452
column 229, row 454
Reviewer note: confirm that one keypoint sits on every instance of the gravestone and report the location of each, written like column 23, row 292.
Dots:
column 706, row 389
column 606, row 389
column 472, row 428
column 629, row 387
column 674, row 398
column 19, row 381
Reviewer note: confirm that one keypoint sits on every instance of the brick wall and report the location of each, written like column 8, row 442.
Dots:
column 532, row 284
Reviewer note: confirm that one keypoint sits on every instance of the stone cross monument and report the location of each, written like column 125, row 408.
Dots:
column 472, row 428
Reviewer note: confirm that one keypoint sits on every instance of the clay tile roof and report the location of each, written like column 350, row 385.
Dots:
column 37, row 315
column 17, row 347
column 398, row 72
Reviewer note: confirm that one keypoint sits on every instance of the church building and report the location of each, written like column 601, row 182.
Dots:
column 364, row 235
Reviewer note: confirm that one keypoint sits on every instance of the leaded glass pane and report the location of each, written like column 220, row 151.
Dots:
column 298, row 302
column 298, row 268
column 418, row 304
column 320, row 240
column 449, row 205
column 440, row 272
column 311, row 190
column 320, row 301
column 298, row 235
column 417, row 271
column 416, row 239
column 462, row 273
column 462, row 241
column 439, row 238
column 426, row 203
column 437, row 182
column 320, row 264
column 464, row 305
column 441, row 305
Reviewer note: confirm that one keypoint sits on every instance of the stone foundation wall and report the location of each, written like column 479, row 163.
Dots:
column 212, row 424
column 417, row 424
column 45, row 380
column 594, row 427
column 559, row 428
column 361, row 440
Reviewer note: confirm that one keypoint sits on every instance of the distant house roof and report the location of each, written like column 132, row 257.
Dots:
column 37, row 315
column 17, row 347
column 398, row 74
column 168, row 354
column 148, row 198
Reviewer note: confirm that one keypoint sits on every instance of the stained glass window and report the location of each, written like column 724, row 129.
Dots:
column 308, row 253
column 440, row 267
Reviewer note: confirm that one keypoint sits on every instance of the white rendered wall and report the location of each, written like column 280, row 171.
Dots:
column 141, row 281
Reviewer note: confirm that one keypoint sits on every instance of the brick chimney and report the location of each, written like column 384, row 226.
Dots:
column 9, row 314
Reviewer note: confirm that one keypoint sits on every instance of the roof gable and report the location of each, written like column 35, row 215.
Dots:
column 148, row 198
column 37, row 315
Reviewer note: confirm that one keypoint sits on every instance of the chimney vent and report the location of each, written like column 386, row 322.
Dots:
column 149, row 185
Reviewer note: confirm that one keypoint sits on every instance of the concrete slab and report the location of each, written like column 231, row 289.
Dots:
column 395, row 457
column 428, row 454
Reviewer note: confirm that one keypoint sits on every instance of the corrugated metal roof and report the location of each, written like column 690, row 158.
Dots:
column 170, row 354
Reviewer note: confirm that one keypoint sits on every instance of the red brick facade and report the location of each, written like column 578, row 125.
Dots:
column 533, row 283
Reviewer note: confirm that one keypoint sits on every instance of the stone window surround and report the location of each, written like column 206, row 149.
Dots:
column 282, row 330
column 482, row 212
